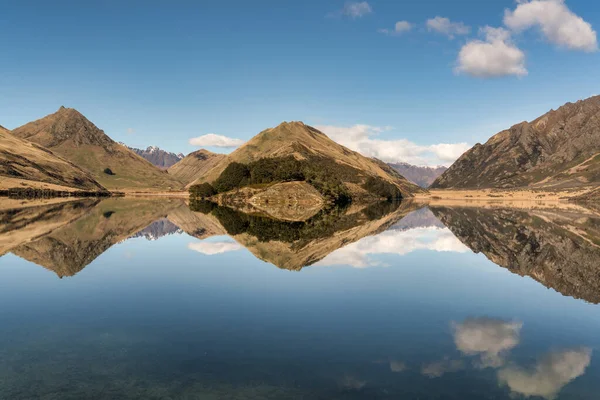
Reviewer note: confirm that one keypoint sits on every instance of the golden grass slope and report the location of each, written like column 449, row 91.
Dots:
column 302, row 141
column 195, row 165
column 22, row 161
column 69, row 134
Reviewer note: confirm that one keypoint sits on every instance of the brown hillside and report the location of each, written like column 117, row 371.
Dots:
column 21, row 161
column 69, row 134
column 302, row 141
column 195, row 165
column 561, row 149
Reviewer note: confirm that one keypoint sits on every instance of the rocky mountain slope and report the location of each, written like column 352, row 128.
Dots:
column 305, row 143
column 559, row 249
column 157, row 157
column 72, row 136
column 422, row 176
column 560, row 149
column 22, row 162
column 195, row 165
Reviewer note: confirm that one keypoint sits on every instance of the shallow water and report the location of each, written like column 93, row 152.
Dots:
column 136, row 299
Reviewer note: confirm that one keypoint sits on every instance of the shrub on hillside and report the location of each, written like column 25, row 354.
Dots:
column 382, row 188
column 203, row 190
column 108, row 171
column 236, row 175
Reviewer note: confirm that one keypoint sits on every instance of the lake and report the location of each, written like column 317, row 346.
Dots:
column 161, row 299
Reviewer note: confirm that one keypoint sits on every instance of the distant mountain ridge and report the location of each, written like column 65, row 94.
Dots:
column 72, row 136
column 558, row 150
column 158, row 157
column 422, row 176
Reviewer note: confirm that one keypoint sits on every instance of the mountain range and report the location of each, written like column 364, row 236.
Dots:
column 64, row 151
column 69, row 134
column 157, row 156
column 422, row 176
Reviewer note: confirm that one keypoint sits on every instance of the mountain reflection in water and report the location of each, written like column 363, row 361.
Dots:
column 391, row 302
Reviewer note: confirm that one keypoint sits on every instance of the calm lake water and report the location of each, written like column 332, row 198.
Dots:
column 149, row 299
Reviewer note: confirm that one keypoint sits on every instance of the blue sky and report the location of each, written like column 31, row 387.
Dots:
column 158, row 73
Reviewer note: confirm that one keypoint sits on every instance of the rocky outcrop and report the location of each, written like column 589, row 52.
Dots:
column 158, row 157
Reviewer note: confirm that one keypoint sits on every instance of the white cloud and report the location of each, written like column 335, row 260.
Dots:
column 446, row 27
column 360, row 138
column 213, row 140
column 400, row 28
column 439, row 368
column 357, row 9
column 556, row 22
column 397, row 366
column 358, row 254
column 496, row 56
column 550, row 374
column 130, row 130
column 213, row 248
column 489, row 339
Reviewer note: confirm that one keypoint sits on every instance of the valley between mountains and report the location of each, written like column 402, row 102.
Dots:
column 554, row 157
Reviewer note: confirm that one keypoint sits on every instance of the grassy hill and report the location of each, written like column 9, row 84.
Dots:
column 69, row 134
column 195, row 165
column 307, row 143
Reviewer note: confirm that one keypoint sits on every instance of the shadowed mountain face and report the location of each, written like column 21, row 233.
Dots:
column 559, row 249
column 422, row 176
column 72, row 136
column 561, row 149
column 21, row 160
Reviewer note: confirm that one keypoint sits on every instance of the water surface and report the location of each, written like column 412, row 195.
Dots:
column 152, row 299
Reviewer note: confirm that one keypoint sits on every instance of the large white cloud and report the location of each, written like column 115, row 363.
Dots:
column 556, row 22
column 487, row 338
column 360, row 138
column 359, row 254
column 446, row 27
column 550, row 374
column 211, row 248
column 214, row 140
column 357, row 9
column 493, row 57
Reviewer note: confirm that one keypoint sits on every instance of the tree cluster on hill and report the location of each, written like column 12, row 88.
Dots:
column 326, row 175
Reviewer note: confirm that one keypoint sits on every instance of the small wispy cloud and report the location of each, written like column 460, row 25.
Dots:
column 446, row 27
column 214, row 248
column 399, row 28
column 214, row 140
column 353, row 10
column 130, row 130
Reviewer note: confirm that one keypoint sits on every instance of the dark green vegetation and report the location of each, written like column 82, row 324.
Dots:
column 326, row 175
column 108, row 171
column 203, row 190
column 265, row 229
